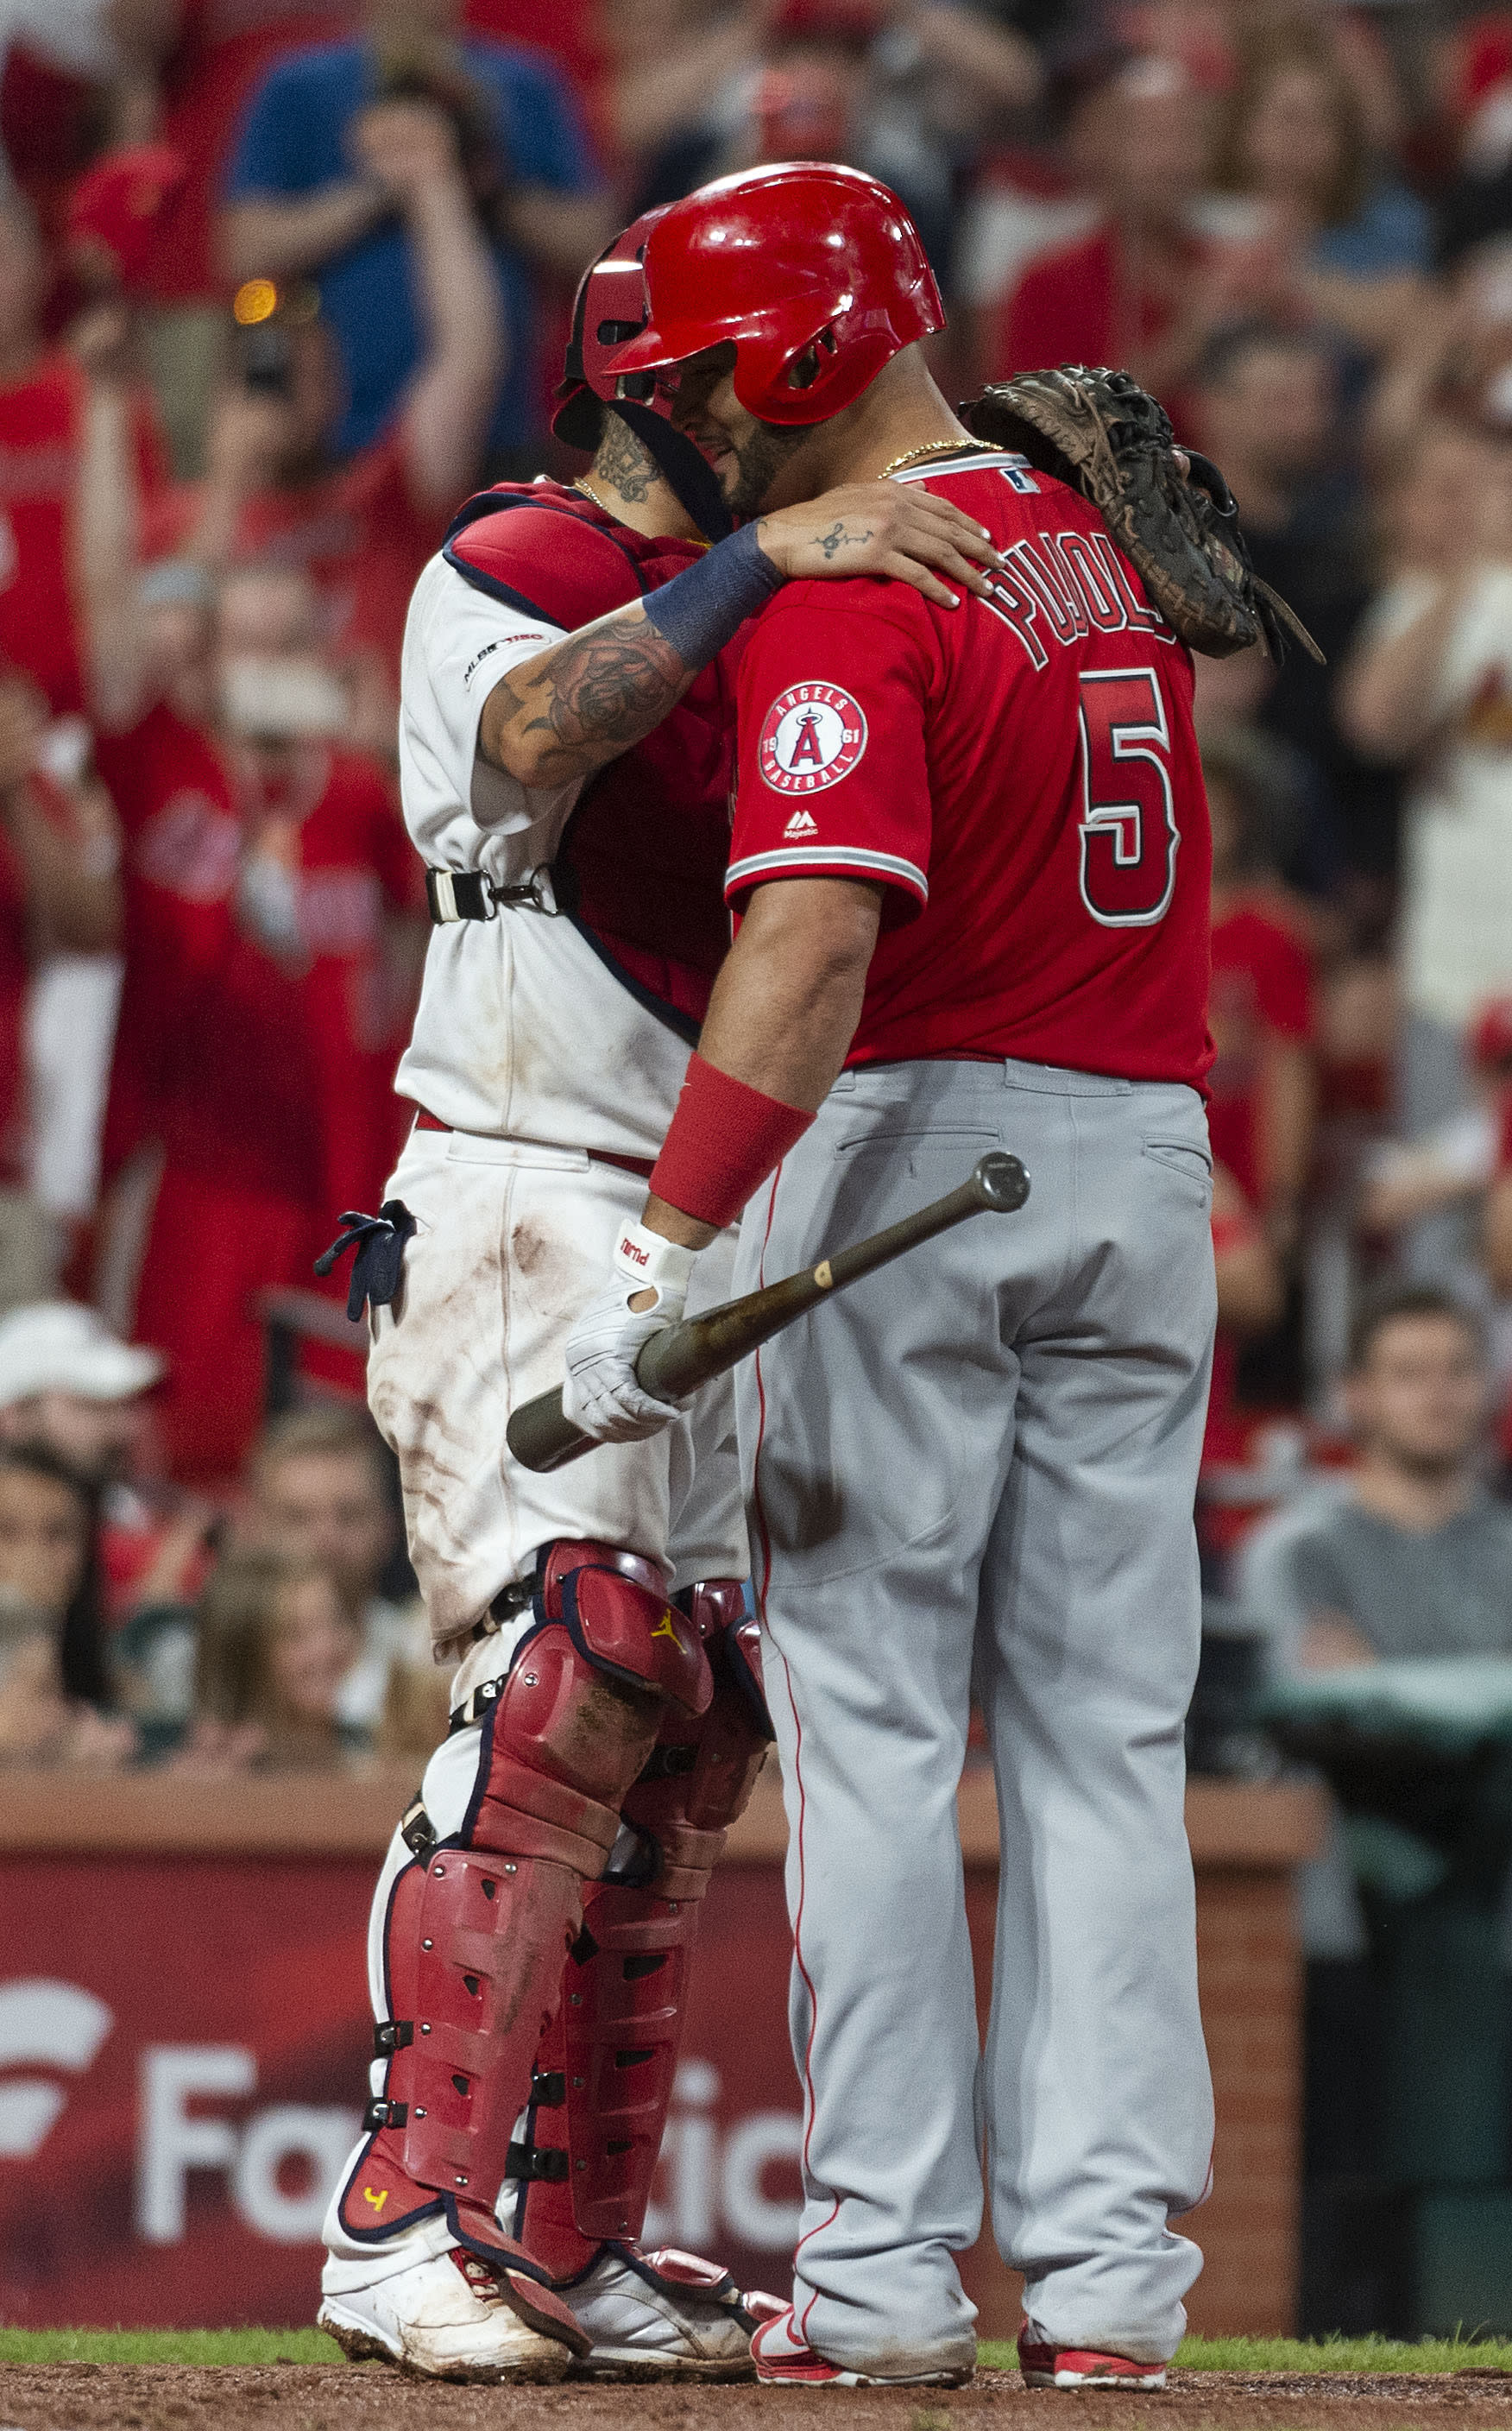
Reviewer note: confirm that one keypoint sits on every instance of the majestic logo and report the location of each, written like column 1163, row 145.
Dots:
column 801, row 824
column 57, row 2025
column 813, row 735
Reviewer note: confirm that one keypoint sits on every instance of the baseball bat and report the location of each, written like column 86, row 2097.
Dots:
column 683, row 1356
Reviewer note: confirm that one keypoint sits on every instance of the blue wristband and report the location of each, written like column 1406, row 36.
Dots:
column 700, row 611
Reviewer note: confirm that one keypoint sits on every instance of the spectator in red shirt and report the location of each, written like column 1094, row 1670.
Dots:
column 274, row 492
column 250, row 1099
column 44, row 396
column 1261, row 1110
column 1128, row 294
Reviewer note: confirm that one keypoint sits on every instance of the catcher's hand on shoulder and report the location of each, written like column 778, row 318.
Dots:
column 1171, row 512
column 882, row 527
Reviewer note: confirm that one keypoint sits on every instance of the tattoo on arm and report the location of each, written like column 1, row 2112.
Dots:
column 838, row 537
column 593, row 696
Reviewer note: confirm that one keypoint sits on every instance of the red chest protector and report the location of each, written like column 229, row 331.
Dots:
column 641, row 868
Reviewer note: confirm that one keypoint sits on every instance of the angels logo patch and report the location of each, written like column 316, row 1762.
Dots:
column 812, row 736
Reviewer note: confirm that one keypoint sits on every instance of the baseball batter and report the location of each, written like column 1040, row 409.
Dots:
column 532, row 1925
column 970, row 864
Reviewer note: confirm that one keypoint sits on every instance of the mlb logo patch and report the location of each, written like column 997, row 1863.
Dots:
column 811, row 736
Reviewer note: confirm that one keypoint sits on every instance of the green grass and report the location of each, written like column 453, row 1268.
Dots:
column 168, row 2346
column 1321, row 2354
column 312, row 2346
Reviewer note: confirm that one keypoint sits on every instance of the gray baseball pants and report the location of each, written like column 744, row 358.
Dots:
column 973, row 1474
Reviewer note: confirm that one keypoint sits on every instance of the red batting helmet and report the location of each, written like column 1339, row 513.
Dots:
column 805, row 254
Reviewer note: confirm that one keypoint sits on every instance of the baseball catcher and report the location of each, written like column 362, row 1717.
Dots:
column 533, row 1924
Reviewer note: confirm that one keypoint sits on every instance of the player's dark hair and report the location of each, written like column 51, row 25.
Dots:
column 1393, row 1302
column 81, row 1652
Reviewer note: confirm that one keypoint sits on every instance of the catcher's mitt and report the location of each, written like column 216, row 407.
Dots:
column 1098, row 432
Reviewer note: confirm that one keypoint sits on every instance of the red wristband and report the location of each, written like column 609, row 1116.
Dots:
column 724, row 1141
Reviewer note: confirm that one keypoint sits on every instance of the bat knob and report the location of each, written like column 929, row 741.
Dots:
column 1001, row 1182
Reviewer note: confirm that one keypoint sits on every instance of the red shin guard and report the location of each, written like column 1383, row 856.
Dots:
column 605, row 2071
column 478, row 1927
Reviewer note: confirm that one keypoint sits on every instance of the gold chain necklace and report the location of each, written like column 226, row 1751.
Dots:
column 591, row 496
column 935, row 447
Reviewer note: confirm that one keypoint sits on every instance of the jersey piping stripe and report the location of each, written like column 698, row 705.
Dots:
column 682, row 1024
column 840, row 856
column 764, row 1539
column 504, row 593
column 975, row 463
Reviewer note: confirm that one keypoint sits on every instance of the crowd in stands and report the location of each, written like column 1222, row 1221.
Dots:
column 281, row 281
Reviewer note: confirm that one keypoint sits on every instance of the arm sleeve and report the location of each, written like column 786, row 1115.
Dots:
column 549, row 566
column 832, row 777
column 458, row 644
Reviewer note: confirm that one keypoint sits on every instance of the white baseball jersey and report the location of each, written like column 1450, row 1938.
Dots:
column 523, row 1032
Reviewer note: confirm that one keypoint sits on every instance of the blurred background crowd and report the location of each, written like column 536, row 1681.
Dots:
column 280, row 282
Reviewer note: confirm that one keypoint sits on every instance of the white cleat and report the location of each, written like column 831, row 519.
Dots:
column 446, row 2317
column 663, row 2316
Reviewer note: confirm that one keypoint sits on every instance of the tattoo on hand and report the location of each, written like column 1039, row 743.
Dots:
column 838, row 537
column 596, row 693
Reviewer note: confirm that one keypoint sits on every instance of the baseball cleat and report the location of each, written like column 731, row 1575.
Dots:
column 783, row 2356
column 449, row 2318
column 1050, row 2367
column 663, row 2316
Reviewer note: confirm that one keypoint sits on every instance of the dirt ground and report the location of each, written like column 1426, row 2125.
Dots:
column 299, row 2397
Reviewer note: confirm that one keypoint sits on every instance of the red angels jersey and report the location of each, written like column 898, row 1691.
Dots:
column 1020, row 774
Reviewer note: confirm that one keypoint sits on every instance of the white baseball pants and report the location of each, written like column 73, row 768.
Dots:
column 512, row 1241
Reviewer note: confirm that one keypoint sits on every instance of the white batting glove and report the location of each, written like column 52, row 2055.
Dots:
column 601, row 1393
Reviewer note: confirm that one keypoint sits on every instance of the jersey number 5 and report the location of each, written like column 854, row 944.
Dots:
column 1128, row 832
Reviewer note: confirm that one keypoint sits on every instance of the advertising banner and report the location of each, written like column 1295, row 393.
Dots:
column 183, row 2045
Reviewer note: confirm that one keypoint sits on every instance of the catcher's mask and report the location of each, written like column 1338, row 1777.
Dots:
column 611, row 308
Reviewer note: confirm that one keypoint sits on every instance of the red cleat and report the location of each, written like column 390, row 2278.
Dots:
column 781, row 2353
column 1048, row 2367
